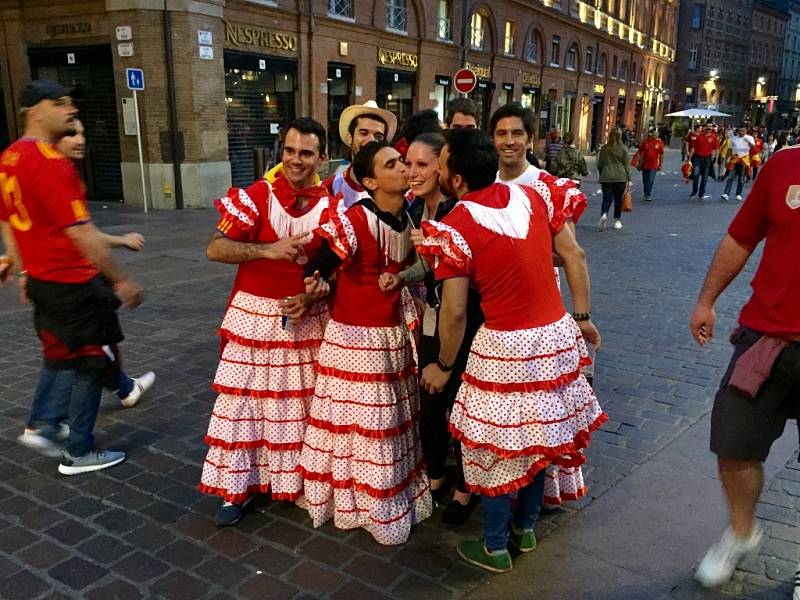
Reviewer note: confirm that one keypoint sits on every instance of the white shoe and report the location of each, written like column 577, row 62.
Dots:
column 33, row 439
column 140, row 386
column 693, row 197
column 601, row 224
column 720, row 561
column 705, row 196
column 617, row 224
column 724, row 197
column 738, row 197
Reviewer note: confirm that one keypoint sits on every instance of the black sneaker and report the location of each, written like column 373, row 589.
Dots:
column 230, row 513
column 457, row 514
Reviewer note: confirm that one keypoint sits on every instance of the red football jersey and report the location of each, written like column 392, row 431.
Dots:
column 42, row 195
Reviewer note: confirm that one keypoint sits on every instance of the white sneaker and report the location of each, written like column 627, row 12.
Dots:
column 693, row 197
column 720, row 561
column 33, row 439
column 724, row 197
column 738, row 197
column 601, row 224
column 140, row 386
column 617, row 224
column 705, row 196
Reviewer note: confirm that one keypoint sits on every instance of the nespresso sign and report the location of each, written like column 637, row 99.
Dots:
column 531, row 79
column 59, row 29
column 245, row 35
column 397, row 58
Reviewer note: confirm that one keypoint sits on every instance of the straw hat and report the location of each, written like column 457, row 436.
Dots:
column 351, row 113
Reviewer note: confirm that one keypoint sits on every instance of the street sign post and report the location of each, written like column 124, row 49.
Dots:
column 136, row 83
column 464, row 81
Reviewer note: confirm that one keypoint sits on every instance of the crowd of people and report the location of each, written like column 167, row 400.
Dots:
column 406, row 305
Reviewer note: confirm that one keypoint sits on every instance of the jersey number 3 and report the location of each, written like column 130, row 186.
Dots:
column 12, row 199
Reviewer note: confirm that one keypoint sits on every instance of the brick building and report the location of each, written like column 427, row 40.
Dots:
column 222, row 76
column 766, row 61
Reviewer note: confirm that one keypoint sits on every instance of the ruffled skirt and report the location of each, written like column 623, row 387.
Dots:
column 524, row 405
column 361, row 459
column 265, row 381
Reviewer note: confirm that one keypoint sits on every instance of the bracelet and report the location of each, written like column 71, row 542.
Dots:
column 587, row 316
column 443, row 366
column 6, row 260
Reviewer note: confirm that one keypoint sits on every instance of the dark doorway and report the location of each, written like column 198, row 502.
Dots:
column 395, row 92
column 340, row 96
column 90, row 69
column 597, row 122
column 482, row 95
column 260, row 96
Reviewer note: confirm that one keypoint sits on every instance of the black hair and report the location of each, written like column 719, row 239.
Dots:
column 364, row 162
column 434, row 140
column 465, row 106
column 514, row 109
column 473, row 156
column 424, row 121
column 352, row 126
column 311, row 126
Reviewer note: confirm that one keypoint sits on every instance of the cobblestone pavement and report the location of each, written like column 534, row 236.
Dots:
column 141, row 530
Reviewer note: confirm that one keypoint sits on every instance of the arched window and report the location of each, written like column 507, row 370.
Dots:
column 633, row 72
column 703, row 95
column 533, row 46
column 589, row 66
column 623, row 71
column 572, row 58
column 601, row 64
column 478, row 30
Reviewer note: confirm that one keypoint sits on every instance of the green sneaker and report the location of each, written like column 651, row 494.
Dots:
column 522, row 539
column 474, row 551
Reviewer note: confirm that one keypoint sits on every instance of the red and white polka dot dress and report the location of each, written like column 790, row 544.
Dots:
column 362, row 459
column 266, row 375
column 523, row 403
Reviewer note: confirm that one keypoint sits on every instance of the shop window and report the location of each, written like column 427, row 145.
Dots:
column 396, row 15
column 444, row 31
column 697, row 16
column 478, row 30
column 572, row 58
column 508, row 44
column 589, row 60
column 555, row 51
column 340, row 8
column 532, row 46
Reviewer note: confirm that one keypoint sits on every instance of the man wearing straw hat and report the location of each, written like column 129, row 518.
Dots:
column 359, row 124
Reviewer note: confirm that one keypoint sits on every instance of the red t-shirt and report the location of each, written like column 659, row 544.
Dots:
column 43, row 195
column 689, row 139
column 772, row 212
column 651, row 150
column 705, row 144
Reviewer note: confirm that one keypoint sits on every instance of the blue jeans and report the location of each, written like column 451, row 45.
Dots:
column 497, row 512
column 738, row 174
column 613, row 192
column 700, row 168
column 648, row 179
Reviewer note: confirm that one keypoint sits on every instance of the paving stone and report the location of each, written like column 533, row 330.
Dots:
column 42, row 555
column 22, row 586
column 784, row 532
column 183, row 554
column 231, row 543
column 374, row 571
column 83, row 506
column 140, row 568
column 8, row 567
column 260, row 587
column 326, row 551
column 196, row 526
column 770, row 512
column 286, row 534
column 163, row 512
column 780, row 549
column 118, row 521
column 354, row 589
column 39, row 519
column 105, row 549
column 12, row 539
column 315, row 579
column 412, row 587
column 77, row 573
column 179, row 585
column 780, row 570
column 272, row 561
column 114, row 590
column 149, row 537
column 424, row 559
column 223, row 572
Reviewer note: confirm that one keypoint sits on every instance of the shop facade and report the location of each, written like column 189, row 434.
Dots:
column 223, row 77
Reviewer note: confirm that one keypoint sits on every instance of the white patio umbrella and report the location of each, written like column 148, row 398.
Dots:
column 698, row 113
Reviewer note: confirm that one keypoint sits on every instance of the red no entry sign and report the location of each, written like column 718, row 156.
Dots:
column 465, row 81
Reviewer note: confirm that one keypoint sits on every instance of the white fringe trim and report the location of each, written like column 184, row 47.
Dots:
column 512, row 221
column 285, row 225
column 395, row 245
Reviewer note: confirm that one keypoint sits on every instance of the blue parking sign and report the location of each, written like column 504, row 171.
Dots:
column 135, row 79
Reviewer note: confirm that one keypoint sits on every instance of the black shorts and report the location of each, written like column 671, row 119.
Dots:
column 745, row 428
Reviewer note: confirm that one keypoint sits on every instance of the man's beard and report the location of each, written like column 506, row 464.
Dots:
column 446, row 187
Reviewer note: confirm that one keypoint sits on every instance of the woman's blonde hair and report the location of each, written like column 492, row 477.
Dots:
column 615, row 137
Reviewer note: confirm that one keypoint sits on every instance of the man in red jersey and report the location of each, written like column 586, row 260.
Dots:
column 523, row 403
column 758, row 392
column 74, row 284
column 702, row 153
column 651, row 153
column 359, row 124
column 265, row 377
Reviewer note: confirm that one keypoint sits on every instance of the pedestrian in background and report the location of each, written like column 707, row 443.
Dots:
column 702, row 154
column 739, row 162
column 758, row 392
column 569, row 162
column 688, row 142
column 770, row 146
column 615, row 175
column 553, row 147
column 649, row 156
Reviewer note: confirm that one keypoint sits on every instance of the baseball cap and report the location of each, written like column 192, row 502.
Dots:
column 43, row 89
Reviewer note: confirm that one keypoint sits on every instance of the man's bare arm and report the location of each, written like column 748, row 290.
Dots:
column 452, row 317
column 728, row 262
column 10, row 246
column 224, row 250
